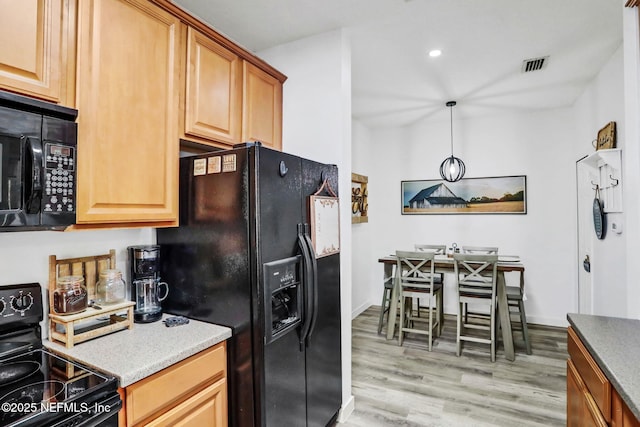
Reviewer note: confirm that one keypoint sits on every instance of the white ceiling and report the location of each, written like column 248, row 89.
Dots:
column 483, row 42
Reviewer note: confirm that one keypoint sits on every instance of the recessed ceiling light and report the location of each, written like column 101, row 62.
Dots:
column 435, row 53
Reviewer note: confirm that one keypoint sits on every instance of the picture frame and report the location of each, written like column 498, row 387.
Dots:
column 490, row 195
column 359, row 199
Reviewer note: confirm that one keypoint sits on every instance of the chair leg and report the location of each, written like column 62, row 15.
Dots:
column 459, row 329
column 402, row 315
column 493, row 331
column 441, row 311
column 384, row 308
column 525, row 329
column 430, row 336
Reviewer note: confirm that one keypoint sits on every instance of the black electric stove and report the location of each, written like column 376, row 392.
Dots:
column 39, row 388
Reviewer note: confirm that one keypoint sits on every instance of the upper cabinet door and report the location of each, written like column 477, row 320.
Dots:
column 33, row 35
column 261, row 107
column 214, row 90
column 128, row 94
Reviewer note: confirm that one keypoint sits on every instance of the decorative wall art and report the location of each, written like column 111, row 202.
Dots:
column 325, row 225
column 493, row 195
column 359, row 198
column 325, row 221
column 606, row 137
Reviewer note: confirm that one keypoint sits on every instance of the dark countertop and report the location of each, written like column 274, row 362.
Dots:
column 614, row 344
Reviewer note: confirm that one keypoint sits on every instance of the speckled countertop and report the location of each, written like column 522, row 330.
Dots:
column 614, row 344
column 131, row 355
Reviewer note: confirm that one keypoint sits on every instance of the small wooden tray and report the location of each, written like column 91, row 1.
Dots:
column 72, row 323
column 88, row 267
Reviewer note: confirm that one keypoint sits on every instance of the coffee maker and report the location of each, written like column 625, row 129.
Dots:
column 144, row 262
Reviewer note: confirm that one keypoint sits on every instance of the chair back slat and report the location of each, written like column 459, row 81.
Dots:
column 415, row 269
column 479, row 250
column 436, row 249
column 476, row 274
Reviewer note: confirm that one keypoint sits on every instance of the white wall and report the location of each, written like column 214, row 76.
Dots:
column 317, row 125
column 363, row 254
column 534, row 145
column 24, row 256
column 602, row 102
column 631, row 164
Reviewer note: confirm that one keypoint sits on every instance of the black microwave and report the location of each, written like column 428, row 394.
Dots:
column 38, row 164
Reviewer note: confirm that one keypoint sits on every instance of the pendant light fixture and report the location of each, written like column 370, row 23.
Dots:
column 452, row 168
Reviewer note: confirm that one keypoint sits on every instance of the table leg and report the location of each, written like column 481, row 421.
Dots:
column 393, row 304
column 505, row 318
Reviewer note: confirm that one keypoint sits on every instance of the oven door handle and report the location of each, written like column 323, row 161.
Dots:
column 33, row 176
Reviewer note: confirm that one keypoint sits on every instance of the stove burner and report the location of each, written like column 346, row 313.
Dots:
column 16, row 371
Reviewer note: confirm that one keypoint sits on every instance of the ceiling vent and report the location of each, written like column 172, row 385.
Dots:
column 534, row 64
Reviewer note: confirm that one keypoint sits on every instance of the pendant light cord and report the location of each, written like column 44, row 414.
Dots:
column 451, row 121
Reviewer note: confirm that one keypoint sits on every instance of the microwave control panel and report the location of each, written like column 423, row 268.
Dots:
column 60, row 178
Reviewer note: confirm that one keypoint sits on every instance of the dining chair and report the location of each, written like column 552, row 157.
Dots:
column 439, row 277
column 476, row 278
column 415, row 272
column 515, row 297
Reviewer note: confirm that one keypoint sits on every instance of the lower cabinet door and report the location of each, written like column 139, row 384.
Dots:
column 582, row 410
column 208, row 408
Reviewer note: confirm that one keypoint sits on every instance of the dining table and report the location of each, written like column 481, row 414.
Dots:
column 445, row 264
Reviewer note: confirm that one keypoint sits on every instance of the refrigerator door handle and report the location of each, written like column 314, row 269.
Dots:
column 307, row 277
column 314, row 281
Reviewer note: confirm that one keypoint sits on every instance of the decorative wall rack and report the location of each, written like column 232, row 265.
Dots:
column 608, row 165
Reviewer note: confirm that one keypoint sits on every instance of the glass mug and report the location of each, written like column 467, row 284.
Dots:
column 148, row 295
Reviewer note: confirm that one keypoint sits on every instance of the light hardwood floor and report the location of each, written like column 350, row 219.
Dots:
column 410, row 386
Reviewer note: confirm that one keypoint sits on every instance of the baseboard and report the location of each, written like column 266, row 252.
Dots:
column 359, row 310
column 347, row 409
column 547, row 321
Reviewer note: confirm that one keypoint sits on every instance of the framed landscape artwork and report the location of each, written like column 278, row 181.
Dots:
column 494, row 195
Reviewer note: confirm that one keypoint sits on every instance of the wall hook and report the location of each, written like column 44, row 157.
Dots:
column 614, row 181
column 594, row 185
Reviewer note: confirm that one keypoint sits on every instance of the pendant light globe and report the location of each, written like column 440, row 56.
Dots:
column 452, row 169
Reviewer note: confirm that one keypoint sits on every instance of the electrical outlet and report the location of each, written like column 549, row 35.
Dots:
column 616, row 227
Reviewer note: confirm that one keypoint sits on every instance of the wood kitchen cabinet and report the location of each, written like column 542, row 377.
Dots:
column 192, row 392
column 129, row 62
column 41, row 59
column 213, row 108
column 228, row 99
column 591, row 399
column 261, row 107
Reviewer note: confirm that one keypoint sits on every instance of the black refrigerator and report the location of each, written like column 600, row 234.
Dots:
column 243, row 257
